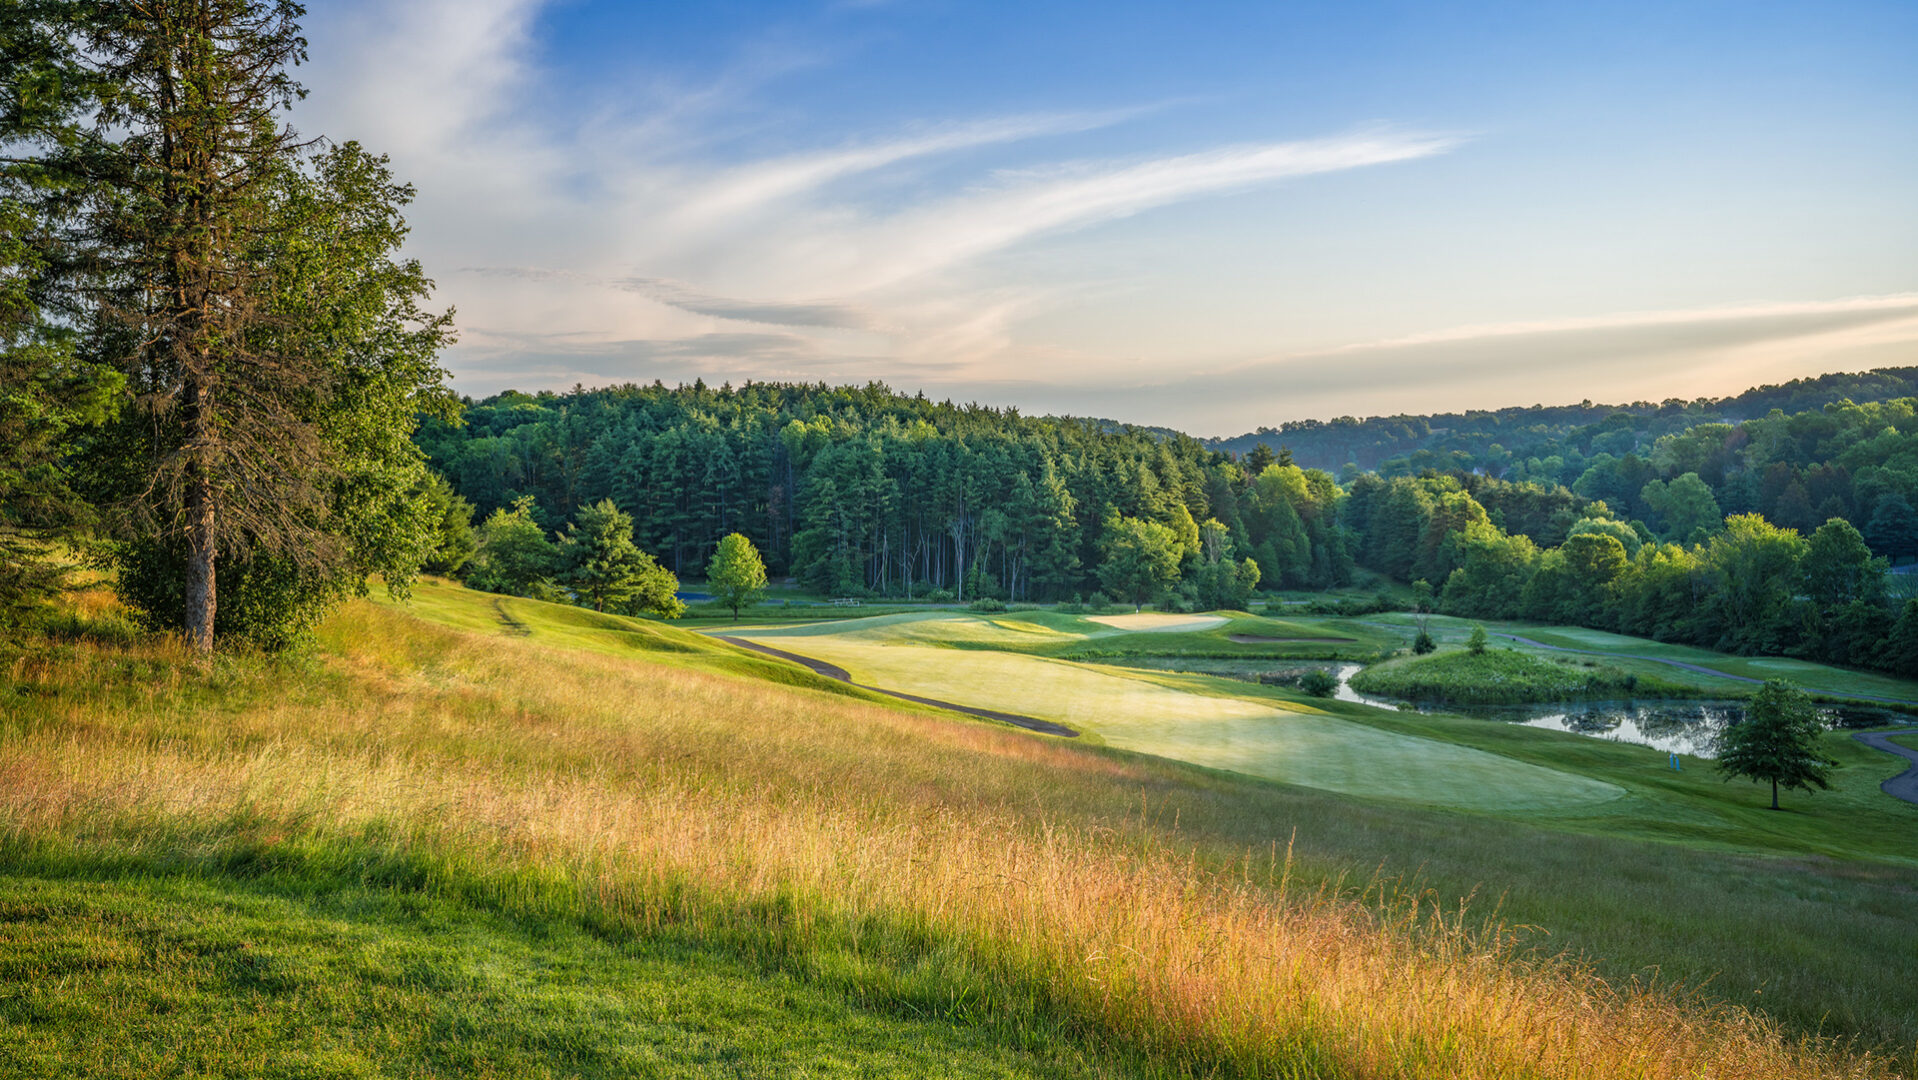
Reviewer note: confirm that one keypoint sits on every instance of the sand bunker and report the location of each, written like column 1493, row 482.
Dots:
column 1157, row 621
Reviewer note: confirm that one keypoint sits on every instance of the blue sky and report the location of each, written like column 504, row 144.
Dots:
column 1212, row 216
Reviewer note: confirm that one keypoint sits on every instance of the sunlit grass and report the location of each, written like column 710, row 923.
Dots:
column 1034, row 889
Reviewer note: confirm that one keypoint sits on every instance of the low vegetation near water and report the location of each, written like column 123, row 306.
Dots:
column 1505, row 677
column 474, row 853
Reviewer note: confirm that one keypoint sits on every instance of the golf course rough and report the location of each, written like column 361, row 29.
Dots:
column 1290, row 743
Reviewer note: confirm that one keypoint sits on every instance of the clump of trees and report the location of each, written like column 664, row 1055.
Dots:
column 594, row 562
column 215, row 356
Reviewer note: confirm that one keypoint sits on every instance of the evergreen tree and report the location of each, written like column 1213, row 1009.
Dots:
column 48, row 398
column 454, row 540
column 598, row 560
column 1893, row 530
column 1777, row 742
column 736, row 575
column 243, row 281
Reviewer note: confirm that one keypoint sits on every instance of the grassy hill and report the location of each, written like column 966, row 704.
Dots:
column 483, row 837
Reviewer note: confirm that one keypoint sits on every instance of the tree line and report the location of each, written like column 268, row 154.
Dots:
column 1491, row 438
column 1744, row 585
column 859, row 491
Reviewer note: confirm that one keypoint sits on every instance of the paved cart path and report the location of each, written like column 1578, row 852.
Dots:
column 1905, row 784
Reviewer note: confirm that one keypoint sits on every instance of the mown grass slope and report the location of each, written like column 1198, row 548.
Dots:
column 914, row 881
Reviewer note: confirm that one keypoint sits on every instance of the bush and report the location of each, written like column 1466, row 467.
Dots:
column 940, row 596
column 1424, row 644
column 1319, row 683
column 986, row 604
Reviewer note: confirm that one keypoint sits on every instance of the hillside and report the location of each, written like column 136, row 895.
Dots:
column 493, row 836
column 1370, row 442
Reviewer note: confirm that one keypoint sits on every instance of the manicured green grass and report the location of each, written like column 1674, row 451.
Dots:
column 1202, row 721
column 120, row 971
column 1618, row 649
column 1501, row 676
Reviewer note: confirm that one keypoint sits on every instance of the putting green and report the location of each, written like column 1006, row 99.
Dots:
column 1295, row 744
column 1154, row 621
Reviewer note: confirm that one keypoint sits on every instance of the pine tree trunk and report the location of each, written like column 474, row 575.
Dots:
column 201, row 601
column 201, row 525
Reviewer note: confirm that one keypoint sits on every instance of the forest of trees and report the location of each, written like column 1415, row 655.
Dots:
column 861, row 491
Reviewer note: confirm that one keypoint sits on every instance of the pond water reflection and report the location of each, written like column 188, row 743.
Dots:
column 1681, row 726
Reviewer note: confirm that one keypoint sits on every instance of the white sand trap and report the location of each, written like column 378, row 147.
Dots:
column 1157, row 621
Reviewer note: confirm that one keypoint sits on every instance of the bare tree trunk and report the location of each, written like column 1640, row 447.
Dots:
column 200, row 598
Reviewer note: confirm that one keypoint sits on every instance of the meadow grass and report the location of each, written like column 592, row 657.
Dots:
column 1088, row 908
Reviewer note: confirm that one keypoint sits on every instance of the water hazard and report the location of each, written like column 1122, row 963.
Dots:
column 1676, row 726
column 1682, row 726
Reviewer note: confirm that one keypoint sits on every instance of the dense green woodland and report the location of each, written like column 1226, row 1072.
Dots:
column 860, row 490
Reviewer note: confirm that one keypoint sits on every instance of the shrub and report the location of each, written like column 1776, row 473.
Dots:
column 987, row 604
column 1424, row 644
column 940, row 596
column 1319, row 683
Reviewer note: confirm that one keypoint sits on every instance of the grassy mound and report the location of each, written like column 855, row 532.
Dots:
column 1505, row 677
column 480, row 852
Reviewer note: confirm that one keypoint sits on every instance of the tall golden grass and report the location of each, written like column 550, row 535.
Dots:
column 662, row 796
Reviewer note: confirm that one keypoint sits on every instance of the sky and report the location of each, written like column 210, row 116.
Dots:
column 1211, row 216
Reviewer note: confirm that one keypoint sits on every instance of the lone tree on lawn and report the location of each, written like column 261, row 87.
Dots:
column 736, row 574
column 1777, row 742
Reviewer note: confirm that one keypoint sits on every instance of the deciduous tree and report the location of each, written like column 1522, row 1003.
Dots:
column 1141, row 559
column 1777, row 742
column 736, row 574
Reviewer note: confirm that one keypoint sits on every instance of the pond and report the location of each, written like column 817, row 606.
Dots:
column 1684, row 726
column 1675, row 725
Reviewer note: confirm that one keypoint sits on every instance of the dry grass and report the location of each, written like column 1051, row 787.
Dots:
column 652, row 796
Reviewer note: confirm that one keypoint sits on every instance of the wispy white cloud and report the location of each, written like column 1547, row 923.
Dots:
column 757, row 186
column 775, row 312
column 1870, row 308
column 627, row 234
column 1030, row 203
